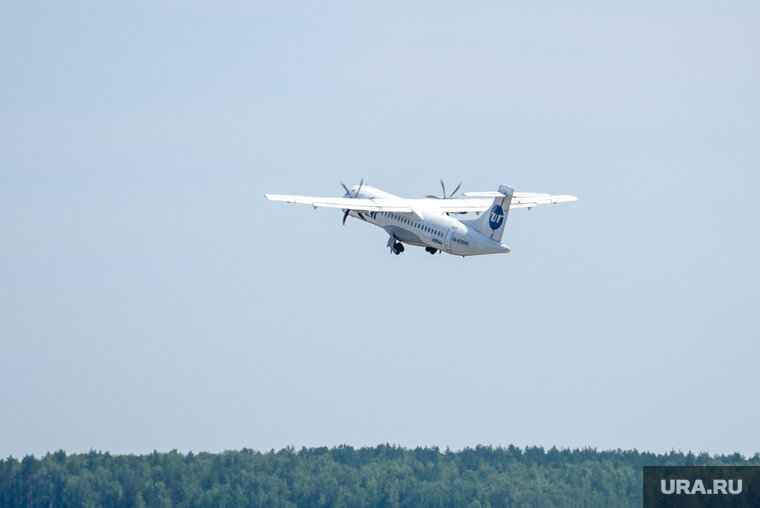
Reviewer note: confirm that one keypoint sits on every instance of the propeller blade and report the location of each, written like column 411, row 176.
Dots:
column 345, row 216
column 344, row 186
column 443, row 187
column 455, row 190
column 360, row 188
column 432, row 197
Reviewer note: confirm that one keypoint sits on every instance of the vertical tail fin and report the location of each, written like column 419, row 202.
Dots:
column 492, row 222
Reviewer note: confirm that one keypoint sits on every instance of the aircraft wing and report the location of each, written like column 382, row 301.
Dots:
column 457, row 205
column 531, row 199
column 475, row 202
column 522, row 199
column 358, row 204
column 397, row 205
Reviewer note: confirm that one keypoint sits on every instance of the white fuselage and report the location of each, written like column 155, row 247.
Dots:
column 434, row 229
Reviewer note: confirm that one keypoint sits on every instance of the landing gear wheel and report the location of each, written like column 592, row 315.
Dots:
column 398, row 248
column 431, row 250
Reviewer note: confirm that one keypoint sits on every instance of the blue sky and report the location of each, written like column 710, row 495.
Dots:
column 151, row 298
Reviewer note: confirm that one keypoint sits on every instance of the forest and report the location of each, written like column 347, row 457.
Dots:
column 384, row 475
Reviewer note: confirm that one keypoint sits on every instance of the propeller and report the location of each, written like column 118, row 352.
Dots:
column 443, row 186
column 345, row 215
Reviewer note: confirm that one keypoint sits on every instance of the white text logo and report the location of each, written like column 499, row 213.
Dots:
column 698, row 487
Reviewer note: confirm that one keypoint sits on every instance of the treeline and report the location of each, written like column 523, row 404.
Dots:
column 343, row 476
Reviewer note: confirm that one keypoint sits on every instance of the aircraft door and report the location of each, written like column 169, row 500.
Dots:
column 447, row 238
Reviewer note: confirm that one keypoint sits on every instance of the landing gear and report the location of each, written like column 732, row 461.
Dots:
column 394, row 245
column 431, row 250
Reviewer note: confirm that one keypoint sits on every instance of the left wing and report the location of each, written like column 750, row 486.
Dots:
column 358, row 204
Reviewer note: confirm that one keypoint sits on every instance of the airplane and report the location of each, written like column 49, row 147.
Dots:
column 428, row 222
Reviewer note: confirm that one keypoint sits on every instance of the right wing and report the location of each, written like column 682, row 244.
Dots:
column 528, row 199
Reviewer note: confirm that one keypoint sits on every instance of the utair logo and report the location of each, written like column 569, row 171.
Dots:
column 496, row 218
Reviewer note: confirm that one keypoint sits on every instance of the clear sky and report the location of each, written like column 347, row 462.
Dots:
column 151, row 298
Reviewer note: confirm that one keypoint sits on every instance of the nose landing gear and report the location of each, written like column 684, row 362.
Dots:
column 431, row 250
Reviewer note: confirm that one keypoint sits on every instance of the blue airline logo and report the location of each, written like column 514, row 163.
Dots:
column 496, row 218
